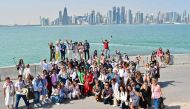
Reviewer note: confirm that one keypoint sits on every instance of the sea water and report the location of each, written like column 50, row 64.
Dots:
column 31, row 43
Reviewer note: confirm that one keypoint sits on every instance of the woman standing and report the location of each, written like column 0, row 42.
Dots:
column 20, row 67
column 57, row 49
column 156, row 93
column 27, row 74
column 81, row 50
column 8, row 93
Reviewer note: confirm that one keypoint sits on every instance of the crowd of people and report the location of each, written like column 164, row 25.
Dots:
column 116, row 80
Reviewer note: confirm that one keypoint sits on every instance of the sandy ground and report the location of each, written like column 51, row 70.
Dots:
column 174, row 81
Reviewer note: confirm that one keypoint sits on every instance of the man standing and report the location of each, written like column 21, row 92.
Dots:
column 106, row 48
column 20, row 93
column 37, row 85
column 63, row 50
column 86, row 49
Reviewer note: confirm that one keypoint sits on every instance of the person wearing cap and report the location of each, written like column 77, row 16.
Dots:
column 19, row 85
column 37, row 85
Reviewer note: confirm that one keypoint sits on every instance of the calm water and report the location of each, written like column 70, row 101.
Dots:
column 30, row 43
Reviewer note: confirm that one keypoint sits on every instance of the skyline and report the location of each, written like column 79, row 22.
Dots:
column 24, row 12
column 116, row 15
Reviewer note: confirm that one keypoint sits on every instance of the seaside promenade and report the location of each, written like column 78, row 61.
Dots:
column 174, row 81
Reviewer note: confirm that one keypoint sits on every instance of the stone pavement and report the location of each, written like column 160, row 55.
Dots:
column 174, row 81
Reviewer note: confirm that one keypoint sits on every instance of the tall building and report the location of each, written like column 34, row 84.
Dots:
column 184, row 17
column 114, row 15
column 60, row 18
column 138, row 18
column 118, row 18
column 98, row 18
column 109, row 17
column 123, row 16
column 45, row 21
column 92, row 18
column 129, row 17
column 65, row 17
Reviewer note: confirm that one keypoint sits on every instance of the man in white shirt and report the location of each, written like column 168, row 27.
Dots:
column 19, row 85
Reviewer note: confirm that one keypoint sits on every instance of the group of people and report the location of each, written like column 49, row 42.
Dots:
column 59, row 51
column 81, row 50
column 115, row 80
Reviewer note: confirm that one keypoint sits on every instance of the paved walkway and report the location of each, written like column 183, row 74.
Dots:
column 174, row 81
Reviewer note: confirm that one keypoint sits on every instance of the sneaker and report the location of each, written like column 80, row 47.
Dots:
column 43, row 102
column 114, row 105
column 35, row 106
column 38, row 104
column 57, row 103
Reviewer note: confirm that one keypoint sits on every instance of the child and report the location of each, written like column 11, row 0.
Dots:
column 8, row 93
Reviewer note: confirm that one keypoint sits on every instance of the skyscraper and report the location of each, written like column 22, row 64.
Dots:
column 118, row 16
column 92, row 18
column 109, row 17
column 65, row 17
column 129, row 17
column 60, row 18
column 114, row 15
column 123, row 16
column 98, row 18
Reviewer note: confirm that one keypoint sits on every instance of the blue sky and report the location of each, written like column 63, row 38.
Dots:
column 28, row 11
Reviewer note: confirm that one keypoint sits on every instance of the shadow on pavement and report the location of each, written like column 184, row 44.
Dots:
column 166, row 83
column 173, row 107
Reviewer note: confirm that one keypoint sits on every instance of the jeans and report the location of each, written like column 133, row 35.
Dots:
column 36, row 97
column 156, row 103
column 107, row 52
column 86, row 53
column 18, row 96
column 55, row 99
column 62, row 55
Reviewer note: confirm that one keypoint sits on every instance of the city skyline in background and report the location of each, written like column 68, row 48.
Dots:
column 28, row 12
column 116, row 15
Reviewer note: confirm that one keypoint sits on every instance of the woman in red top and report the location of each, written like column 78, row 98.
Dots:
column 88, row 84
